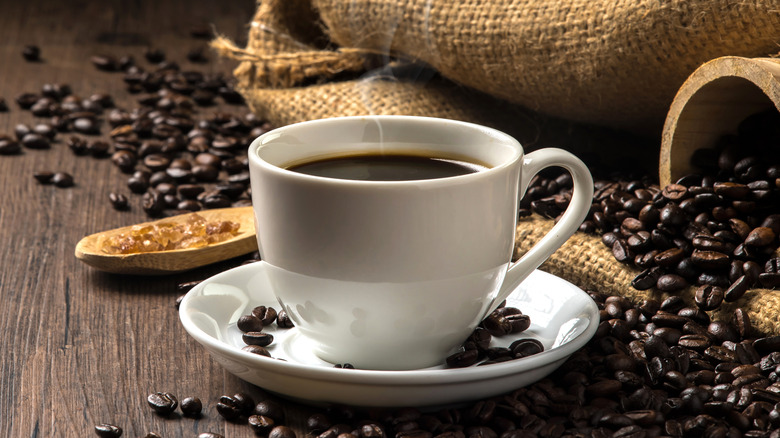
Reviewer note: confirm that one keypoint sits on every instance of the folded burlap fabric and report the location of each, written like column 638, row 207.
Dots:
column 616, row 63
column 585, row 261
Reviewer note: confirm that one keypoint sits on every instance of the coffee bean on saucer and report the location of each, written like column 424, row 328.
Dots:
column 249, row 323
column 526, row 347
column 256, row 349
column 266, row 314
column 283, row 321
column 258, row 338
column 462, row 359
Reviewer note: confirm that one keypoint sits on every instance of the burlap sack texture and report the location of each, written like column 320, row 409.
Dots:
column 611, row 62
column 290, row 71
column 585, row 261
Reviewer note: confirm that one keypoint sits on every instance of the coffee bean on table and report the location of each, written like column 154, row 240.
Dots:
column 108, row 431
column 105, row 62
column 9, row 146
column 118, row 201
column 31, row 53
column 191, row 406
column 162, row 403
column 35, row 141
column 282, row 432
column 62, row 179
column 43, row 176
column 261, row 424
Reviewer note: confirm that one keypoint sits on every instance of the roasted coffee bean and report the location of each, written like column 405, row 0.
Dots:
column 271, row 409
column 86, row 125
column 708, row 297
column 281, row 432
column 723, row 331
column 261, row 424
column 249, row 323
column 9, row 146
column 191, row 406
column 256, row 349
column 31, row 53
column 621, row 251
column 105, row 62
column 741, row 321
column 737, row 289
column 35, row 141
column 152, row 203
column 43, row 176
column 283, row 320
column 62, row 179
column 267, row 315
column 526, row 347
column 118, row 201
column 258, row 338
column 647, row 278
column 671, row 282
column 108, row 431
column 462, row 359
column 162, row 403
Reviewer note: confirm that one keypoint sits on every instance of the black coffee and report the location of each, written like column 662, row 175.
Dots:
column 387, row 167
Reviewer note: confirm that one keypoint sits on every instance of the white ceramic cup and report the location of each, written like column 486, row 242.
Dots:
column 396, row 274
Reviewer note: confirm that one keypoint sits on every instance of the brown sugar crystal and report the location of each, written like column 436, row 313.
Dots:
column 194, row 231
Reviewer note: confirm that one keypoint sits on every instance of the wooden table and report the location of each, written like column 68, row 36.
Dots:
column 81, row 347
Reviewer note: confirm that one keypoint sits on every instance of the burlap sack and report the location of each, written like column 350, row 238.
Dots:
column 612, row 62
column 588, row 263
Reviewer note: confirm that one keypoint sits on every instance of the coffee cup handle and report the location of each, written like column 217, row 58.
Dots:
column 577, row 211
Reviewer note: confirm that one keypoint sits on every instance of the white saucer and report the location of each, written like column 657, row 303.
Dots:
column 563, row 318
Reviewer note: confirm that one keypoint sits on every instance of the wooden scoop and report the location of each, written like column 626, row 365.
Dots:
column 168, row 262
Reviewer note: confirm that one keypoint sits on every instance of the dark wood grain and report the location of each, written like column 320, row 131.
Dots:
column 80, row 347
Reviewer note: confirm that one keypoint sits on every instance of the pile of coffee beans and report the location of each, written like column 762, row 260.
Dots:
column 652, row 369
column 180, row 154
column 717, row 230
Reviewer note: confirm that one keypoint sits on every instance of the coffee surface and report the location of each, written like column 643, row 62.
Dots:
column 387, row 167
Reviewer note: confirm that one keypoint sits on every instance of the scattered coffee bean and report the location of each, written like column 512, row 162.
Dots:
column 62, row 179
column 163, row 403
column 118, row 201
column 191, row 406
column 31, row 53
